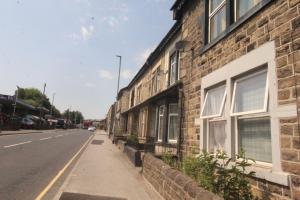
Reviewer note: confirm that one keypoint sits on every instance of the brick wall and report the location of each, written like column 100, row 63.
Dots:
column 172, row 184
column 279, row 22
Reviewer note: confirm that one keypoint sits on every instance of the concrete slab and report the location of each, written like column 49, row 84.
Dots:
column 103, row 170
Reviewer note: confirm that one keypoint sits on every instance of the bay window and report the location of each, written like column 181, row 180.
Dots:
column 173, row 123
column 160, row 127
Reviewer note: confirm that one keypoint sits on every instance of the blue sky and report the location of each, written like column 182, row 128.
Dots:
column 71, row 45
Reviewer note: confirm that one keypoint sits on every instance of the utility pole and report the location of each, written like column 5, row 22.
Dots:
column 41, row 104
column 52, row 103
column 15, row 104
column 120, row 63
column 118, row 87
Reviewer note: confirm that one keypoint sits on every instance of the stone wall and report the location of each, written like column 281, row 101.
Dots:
column 278, row 22
column 172, row 184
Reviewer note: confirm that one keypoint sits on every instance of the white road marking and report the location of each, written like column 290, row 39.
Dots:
column 58, row 136
column 45, row 138
column 13, row 145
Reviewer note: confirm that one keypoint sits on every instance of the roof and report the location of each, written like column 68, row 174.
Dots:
column 121, row 92
column 154, row 55
column 177, row 7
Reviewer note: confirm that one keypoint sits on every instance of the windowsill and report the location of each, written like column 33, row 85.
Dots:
column 235, row 25
column 265, row 173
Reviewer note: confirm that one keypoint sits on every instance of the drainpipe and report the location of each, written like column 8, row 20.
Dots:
column 180, row 103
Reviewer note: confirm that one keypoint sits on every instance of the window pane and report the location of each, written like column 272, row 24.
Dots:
column 173, row 108
column 218, row 23
column 217, row 136
column 250, row 93
column 160, row 127
column 243, row 6
column 213, row 104
column 214, row 4
column 255, row 138
column 173, row 127
column 173, row 68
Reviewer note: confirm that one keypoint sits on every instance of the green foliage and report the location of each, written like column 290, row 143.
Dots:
column 133, row 139
column 74, row 116
column 35, row 97
column 219, row 174
column 169, row 159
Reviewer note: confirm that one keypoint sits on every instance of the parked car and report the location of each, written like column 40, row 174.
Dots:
column 61, row 123
column 92, row 128
column 27, row 123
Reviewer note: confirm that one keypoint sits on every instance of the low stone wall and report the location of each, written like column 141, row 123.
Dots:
column 171, row 183
column 121, row 145
column 133, row 155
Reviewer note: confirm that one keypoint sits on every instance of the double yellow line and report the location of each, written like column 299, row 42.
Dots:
column 60, row 173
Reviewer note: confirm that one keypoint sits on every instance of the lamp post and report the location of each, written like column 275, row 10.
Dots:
column 118, row 87
column 53, row 96
column 120, row 63
column 15, row 104
column 41, row 104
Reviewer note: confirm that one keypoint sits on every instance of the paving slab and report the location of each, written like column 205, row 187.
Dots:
column 105, row 171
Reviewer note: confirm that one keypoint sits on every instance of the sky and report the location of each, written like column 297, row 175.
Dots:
column 71, row 45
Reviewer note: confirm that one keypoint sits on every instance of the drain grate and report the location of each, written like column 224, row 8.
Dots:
column 77, row 196
column 97, row 142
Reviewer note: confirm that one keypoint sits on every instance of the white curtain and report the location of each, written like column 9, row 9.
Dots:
column 250, row 93
column 217, row 136
column 255, row 138
column 214, row 100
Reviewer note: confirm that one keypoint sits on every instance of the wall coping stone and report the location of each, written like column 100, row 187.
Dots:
column 172, row 178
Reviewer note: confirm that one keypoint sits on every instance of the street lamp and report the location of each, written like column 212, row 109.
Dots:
column 16, row 98
column 120, row 63
column 52, row 103
column 118, row 87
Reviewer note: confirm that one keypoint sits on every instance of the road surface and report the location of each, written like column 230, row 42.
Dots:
column 29, row 162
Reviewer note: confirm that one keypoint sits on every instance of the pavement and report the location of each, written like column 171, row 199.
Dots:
column 20, row 132
column 28, row 162
column 104, row 172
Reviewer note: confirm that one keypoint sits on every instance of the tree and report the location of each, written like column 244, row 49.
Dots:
column 74, row 116
column 36, row 98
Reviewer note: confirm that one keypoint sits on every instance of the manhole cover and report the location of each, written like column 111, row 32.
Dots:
column 76, row 196
column 98, row 142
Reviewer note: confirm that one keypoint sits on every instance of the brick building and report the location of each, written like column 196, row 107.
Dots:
column 242, row 84
column 226, row 76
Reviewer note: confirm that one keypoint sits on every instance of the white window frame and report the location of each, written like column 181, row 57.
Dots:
column 235, row 10
column 174, row 64
column 159, row 124
column 265, row 107
column 241, row 65
column 169, row 116
column 212, row 13
column 221, row 108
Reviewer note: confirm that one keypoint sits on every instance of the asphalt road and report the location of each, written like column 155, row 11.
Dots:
column 29, row 162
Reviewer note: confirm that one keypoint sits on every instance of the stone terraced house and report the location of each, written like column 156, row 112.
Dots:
column 226, row 76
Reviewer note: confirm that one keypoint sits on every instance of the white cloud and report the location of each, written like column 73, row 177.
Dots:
column 90, row 85
column 87, row 31
column 105, row 74
column 142, row 56
column 126, row 74
column 111, row 21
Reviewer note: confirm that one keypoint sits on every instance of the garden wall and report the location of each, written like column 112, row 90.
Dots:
column 171, row 183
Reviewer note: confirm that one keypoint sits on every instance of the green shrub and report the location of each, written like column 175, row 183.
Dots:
column 219, row 174
column 133, row 139
column 169, row 159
